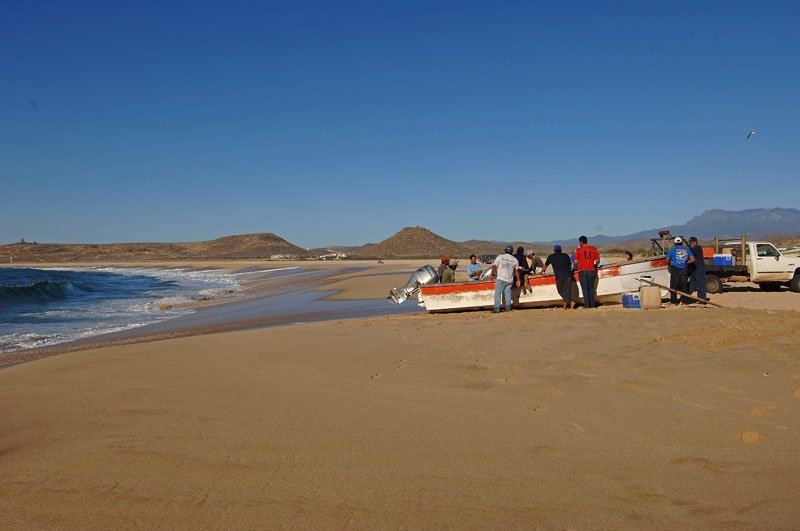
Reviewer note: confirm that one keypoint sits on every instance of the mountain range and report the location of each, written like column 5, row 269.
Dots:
column 755, row 223
column 409, row 242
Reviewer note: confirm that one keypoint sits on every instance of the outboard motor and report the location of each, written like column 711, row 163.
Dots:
column 424, row 275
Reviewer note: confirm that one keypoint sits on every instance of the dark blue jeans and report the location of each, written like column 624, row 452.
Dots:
column 697, row 282
column 678, row 280
column 587, row 279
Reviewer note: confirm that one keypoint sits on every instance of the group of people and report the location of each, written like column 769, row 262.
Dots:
column 508, row 270
column 687, row 270
column 686, row 267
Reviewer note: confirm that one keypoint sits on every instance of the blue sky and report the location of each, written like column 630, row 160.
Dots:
column 342, row 122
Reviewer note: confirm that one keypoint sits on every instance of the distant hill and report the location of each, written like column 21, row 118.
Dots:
column 244, row 246
column 413, row 242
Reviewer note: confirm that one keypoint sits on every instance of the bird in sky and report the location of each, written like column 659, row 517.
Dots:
column 751, row 134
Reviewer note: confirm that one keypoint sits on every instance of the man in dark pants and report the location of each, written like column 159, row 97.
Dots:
column 586, row 260
column 679, row 258
column 697, row 280
column 562, row 269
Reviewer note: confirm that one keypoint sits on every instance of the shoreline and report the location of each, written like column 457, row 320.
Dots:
column 343, row 281
column 346, row 276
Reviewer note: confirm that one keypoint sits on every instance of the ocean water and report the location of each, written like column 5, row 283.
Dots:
column 40, row 307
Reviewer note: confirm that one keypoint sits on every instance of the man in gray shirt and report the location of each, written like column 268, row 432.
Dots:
column 504, row 269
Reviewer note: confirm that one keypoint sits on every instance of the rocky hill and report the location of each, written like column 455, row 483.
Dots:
column 245, row 246
column 414, row 242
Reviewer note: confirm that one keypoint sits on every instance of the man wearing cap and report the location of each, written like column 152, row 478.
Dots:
column 536, row 265
column 562, row 269
column 697, row 278
column 586, row 261
column 504, row 270
column 679, row 258
column 449, row 274
column 443, row 267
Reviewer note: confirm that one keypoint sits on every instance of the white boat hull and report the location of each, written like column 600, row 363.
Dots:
column 540, row 291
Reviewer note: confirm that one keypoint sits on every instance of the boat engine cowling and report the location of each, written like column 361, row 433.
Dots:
column 424, row 275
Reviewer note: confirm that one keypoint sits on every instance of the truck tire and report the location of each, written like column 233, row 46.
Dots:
column 794, row 285
column 713, row 284
column 770, row 286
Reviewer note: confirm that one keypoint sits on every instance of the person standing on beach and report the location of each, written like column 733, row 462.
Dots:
column 442, row 267
column 697, row 279
column 504, row 270
column 586, row 261
column 562, row 269
column 679, row 258
column 474, row 269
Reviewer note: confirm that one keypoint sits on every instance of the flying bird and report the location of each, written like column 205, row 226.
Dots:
column 751, row 134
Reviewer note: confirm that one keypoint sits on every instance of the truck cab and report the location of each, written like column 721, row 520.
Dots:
column 759, row 262
column 770, row 265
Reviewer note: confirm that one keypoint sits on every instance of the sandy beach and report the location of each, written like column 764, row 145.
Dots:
column 673, row 418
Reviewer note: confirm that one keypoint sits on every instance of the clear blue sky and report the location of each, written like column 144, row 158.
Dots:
column 342, row 122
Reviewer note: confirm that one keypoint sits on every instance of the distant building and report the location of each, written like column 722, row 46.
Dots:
column 284, row 257
column 332, row 256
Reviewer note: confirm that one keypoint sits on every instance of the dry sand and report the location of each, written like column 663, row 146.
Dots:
column 676, row 418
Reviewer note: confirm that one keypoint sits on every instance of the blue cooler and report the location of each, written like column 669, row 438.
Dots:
column 631, row 300
column 723, row 260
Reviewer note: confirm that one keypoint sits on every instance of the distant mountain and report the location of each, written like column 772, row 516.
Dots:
column 244, row 246
column 755, row 223
column 413, row 242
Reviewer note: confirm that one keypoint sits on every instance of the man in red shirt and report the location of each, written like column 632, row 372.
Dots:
column 586, row 260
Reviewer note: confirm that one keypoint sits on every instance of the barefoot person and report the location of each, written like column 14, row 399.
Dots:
column 562, row 269
column 586, row 260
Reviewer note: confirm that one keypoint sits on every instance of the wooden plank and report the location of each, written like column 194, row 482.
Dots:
column 698, row 299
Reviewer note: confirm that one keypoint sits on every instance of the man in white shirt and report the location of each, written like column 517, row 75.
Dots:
column 504, row 269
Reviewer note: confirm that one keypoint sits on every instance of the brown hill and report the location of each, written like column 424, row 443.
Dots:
column 414, row 242
column 244, row 246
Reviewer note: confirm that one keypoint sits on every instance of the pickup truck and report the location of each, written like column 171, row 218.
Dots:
column 758, row 262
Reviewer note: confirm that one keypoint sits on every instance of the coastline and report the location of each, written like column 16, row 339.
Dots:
column 264, row 302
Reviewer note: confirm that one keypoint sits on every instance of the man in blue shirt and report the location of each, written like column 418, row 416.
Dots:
column 474, row 269
column 679, row 258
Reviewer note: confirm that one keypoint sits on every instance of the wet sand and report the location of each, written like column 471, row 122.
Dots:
column 677, row 418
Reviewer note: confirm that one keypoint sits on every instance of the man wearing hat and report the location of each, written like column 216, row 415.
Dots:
column 449, row 274
column 562, row 268
column 536, row 265
column 697, row 277
column 443, row 267
column 679, row 258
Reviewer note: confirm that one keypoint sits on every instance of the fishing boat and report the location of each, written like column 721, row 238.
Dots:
column 538, row 291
